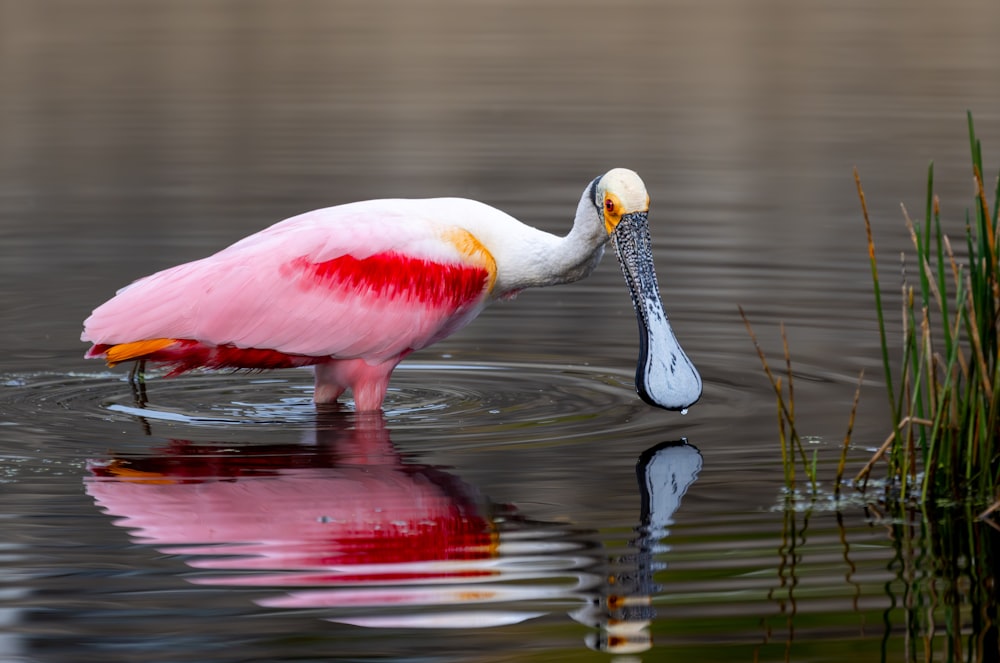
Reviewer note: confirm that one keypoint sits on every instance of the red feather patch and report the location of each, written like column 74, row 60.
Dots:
column 394, row 276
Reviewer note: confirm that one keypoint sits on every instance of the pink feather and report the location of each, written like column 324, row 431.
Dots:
column 353, row 288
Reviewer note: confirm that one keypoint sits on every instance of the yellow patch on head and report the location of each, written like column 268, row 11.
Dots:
column 135, row 350
column 612, row 212
column 472, row 248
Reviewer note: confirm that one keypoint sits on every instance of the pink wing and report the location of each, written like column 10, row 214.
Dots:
column 371, row 280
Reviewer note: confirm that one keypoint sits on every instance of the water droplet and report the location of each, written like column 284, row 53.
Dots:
column 684, row 410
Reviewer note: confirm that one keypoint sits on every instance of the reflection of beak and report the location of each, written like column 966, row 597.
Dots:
column 664, row 376
column 665, row 473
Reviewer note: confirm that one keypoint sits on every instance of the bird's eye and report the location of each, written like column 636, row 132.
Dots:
column 609, row 205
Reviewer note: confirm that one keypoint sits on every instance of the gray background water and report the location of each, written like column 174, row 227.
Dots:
column 134, row 136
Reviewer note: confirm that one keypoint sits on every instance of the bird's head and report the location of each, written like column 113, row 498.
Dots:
column 619, row 194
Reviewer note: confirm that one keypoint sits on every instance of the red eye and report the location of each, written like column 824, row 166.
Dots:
column 609, row 205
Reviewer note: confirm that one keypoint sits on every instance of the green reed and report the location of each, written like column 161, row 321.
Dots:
column 944, row 397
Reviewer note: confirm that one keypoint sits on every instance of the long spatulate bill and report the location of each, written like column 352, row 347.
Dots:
column 664, row 375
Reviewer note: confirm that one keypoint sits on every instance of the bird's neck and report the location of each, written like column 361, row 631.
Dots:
column 577, row 254
column 545, row 259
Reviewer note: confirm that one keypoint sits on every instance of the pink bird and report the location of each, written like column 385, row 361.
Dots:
column 352, row 290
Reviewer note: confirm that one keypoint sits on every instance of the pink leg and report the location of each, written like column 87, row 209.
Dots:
column 368, row 382
column 368, row 396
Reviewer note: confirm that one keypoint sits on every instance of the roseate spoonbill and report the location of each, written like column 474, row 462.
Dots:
column 351, row 290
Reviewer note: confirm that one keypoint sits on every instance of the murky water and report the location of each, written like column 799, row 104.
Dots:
column 516, row 500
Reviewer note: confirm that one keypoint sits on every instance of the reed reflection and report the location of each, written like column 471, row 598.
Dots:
column 944, row 594
column 342, row 522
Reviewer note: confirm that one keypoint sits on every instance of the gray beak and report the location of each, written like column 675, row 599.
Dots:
column 664, row 376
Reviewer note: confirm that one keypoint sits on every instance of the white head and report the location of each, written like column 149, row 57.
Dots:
column 618, row 193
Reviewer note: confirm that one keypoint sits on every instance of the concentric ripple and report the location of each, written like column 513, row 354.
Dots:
column 539, row 400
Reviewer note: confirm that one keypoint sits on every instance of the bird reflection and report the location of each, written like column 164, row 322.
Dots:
column 342, row 522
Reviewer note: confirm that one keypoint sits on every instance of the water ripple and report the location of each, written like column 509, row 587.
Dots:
column 484, row 399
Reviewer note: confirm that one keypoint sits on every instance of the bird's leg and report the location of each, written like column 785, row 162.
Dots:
column 368, row 382
column 137, row 382
column 368, row 395
column 329, row 385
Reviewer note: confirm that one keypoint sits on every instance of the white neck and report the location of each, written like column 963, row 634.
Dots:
column 532, row 258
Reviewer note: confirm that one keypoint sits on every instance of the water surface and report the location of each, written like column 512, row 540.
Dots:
column 516, row 500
